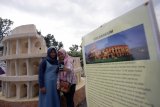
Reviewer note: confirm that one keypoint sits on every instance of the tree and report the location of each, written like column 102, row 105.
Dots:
column 51, row 41
column 60, row 45
column 4, row 27
column 74, row 51
column 74, row 48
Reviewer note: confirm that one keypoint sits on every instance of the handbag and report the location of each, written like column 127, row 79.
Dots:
column 64, row 86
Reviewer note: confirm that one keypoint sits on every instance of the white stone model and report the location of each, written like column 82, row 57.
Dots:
column 23, row 50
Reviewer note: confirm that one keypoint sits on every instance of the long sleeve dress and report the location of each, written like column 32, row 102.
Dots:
column 48, row 79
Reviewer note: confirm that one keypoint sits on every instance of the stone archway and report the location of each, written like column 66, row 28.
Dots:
column 13, row 71
column 35, row 66
column 24, row 46
column 23, row 68
column 35, row 90
column 23, row 90
column 13, row 47
column 12, row 90
column 38, row 45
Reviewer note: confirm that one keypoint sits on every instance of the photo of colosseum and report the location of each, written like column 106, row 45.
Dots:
column 127, row 45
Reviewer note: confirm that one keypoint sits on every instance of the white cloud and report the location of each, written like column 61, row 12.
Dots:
column 67, row 20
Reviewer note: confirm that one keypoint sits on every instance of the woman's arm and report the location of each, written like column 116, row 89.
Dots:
column 68, row 67
column 42, row 68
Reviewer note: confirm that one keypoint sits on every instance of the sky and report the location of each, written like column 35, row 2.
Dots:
column 68, row 20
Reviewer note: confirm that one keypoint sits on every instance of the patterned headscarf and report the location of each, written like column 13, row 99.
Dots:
column 66, row 56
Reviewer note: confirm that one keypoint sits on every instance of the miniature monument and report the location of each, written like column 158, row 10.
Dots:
column 23, row 50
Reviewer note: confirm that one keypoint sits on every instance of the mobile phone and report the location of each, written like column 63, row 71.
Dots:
column 61, row 66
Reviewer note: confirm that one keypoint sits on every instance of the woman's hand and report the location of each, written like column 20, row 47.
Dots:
column 58, row 85
column 65, row 69
column 43, row 90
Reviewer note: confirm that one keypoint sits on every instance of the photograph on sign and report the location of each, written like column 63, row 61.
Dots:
column 127, row 45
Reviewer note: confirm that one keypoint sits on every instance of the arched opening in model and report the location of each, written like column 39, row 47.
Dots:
column 12, row 90
column 35, row 90
column 4, row 90
column 23, row 91
column 38, row 45
column 5, row 50
column 23, row 68
column 35, row 65
column 13, row 47
column 13, row 71
column 24, row 47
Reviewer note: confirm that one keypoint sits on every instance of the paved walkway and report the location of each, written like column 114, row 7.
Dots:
column 83, row 104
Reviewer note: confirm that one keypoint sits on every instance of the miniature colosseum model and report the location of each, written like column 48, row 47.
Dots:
column 23, row 51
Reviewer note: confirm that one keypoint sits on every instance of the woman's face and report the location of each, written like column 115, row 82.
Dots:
column 60, row 56
column 52, row 54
